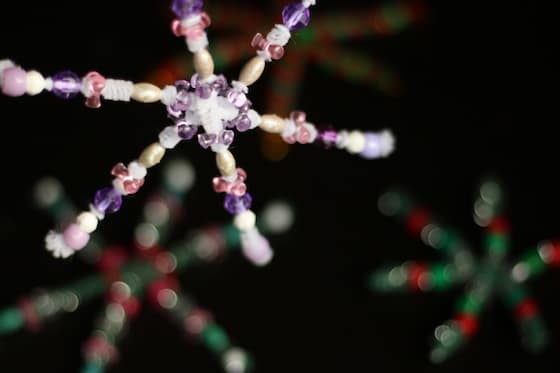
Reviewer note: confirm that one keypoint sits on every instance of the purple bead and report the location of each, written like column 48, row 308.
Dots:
column 220, row 84
column 207, row 139
column 242, row 123
column 226, row 137
column 173, row 111
column 14, row 81
column 246, row 106
column 107, row 200
column 66, row 84
column 295, row 16
column 236, row 205
column 237, row 98
column 327, row 137
column 373, row 146
column 194, row 80
column 186, row 131
column 203, row 91
column 185, row 8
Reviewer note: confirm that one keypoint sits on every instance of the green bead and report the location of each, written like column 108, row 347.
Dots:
column 497, row 244
column 11, row 320
column 535, row 262
column 440, row 276
column 231, row 235
column 215, row 338
column 93, row 367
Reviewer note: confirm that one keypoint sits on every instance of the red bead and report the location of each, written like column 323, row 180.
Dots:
column 417, row 219
column 527, row 308
column 499, row 225
column 415, row 272
column 467, row 324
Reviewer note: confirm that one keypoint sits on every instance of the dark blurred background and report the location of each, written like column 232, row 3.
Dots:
column 478, row 100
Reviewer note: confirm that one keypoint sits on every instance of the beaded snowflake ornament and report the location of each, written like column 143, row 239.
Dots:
column 207, row 107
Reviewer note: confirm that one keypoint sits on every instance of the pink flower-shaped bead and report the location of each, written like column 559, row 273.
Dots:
column 192, row 32
column 95, row 84
column 261, row 43
column 130, row 185
column 237, row 187
column 301, row 133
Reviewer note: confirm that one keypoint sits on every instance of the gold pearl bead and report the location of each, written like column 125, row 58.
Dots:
column 152, row 155
column 252, row 71
column 203, row 63
column 272, row 123
column 146, row 92
column 226, row 163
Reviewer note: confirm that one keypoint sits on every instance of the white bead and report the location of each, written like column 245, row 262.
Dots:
column 169, row 138
column 5, row 64
column 179, row 175
column 35, row 83
column 255, row 118
column 356, row 142
column 136, row 170
column 118, row 184
column 87, row 222
column 279, row 35
column 245, row 221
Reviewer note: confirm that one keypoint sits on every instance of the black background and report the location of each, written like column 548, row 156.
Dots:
column 479, row 100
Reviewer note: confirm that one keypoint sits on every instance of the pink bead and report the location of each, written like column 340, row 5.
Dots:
column 75, row 238
column 276, row 52
column 119, row 170
column 14, row 81
column 96, row 84
column 133, row 185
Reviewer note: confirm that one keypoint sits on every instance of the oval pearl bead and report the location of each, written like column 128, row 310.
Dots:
column 35, row 83
column 356, row 142
column 272, row 123
column 203, row 63
column 152, row 155
column 13, row 81
column 252, row 71
column 87, row 222
column 226, row 163
column 146, row 92
column 74, row 237
column 245, row 221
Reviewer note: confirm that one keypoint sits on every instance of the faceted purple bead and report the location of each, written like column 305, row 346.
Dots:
column 186, row 131
column 373, row 146
column 236, row 98
column 242, row 123
column 295, row 16
column 185, row 8
column 66, row 84
column 203, row 91
column 327, row 137
column 220, row 84
column 207, row 139
column 107, row 200
column 173, row 111
column 246, row 106
column 226, row 137
column 236, row 205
